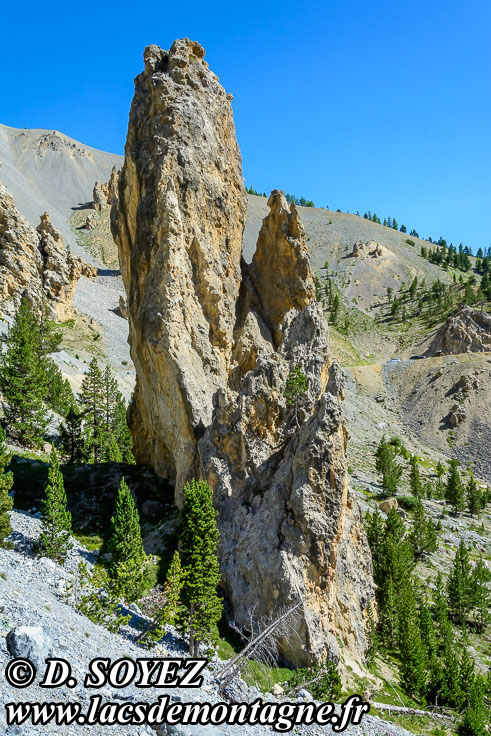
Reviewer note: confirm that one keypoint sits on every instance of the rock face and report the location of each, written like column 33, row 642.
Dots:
column 104, row 194
column 35, row 263
column 214, row 342
column 178, row 227
column 469, row 331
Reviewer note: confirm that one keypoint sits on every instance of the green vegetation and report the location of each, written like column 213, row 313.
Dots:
column 199, row 540
column 128, row 563
column 6, row 481
column 56, row 521
column 388, row 467
column 295, row 390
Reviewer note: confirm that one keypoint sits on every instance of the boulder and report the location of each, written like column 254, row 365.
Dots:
column 30, row 642
column 388, row 504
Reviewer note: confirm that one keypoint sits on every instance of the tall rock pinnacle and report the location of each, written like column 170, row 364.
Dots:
column 214, row 341
column 179, row 228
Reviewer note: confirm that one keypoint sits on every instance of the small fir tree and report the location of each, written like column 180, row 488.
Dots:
column 474, row 719
column 413, row 656
column 6, row 481
column 455, row 490
column 128, row 564
column 22, row 378
column 56, row 520
column 122, row 432
column 423, row 534
column 415, row 478
column 295, row 390
column 473, row 497
column 91, row 400
column 388, row 467
column 71, row 435
column 199, row 540
column 460, row 585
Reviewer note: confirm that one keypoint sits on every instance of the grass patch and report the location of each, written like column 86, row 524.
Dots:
column 91, row 542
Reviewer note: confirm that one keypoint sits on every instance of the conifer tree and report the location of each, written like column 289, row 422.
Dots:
column 473, row 497
column 450, row 690
column 295, row 390
column 22, row 378
column 110, row 395
column 112, row 453
column 474, row 720
column 413, row 656
column 199, row 540
column 128, row 564
column 91, row 399
column 71, row 435
column 454, row 492
column 460, row 585
column 56, row 520
column 122, row 432
column 388, row 467
column 415, row 478
column 6, row 481
column 423, row 535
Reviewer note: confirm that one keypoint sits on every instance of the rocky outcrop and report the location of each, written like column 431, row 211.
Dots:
column 468, row 331
column 35, row 263
column 214, row 342
column 178, row 227
column 104, row 193
column 370, row 248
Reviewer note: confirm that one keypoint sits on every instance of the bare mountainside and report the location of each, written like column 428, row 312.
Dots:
column 48, row 171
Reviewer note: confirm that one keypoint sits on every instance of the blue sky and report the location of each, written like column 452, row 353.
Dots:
column 360, row 105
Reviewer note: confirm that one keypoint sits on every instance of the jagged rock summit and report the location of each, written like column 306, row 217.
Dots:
column 35, row 263
column 214, row 342
column 468, row 331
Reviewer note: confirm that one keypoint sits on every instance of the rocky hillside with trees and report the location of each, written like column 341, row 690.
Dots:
column 296, row 452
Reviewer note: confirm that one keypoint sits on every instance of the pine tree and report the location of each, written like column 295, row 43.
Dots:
column 459, row 585
column 473, row 497
column 112, row 453
column 454, row 492
column 22, row 378
column 122, row 432
column 199, row 540
column 413, row 656
column 387, row 466
column 91, row 399
column 295, row 390
column 473, row 722
column 6, row 482
column 450, row 691
column 467, row 674
column 128, row 564
column 71, row 435
column 415, row 478
column 423, row 534
column 56, row 520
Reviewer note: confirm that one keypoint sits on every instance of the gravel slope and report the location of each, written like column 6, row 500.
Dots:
column 31, row 594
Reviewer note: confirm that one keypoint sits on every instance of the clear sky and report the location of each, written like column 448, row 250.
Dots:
column 381, row 105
